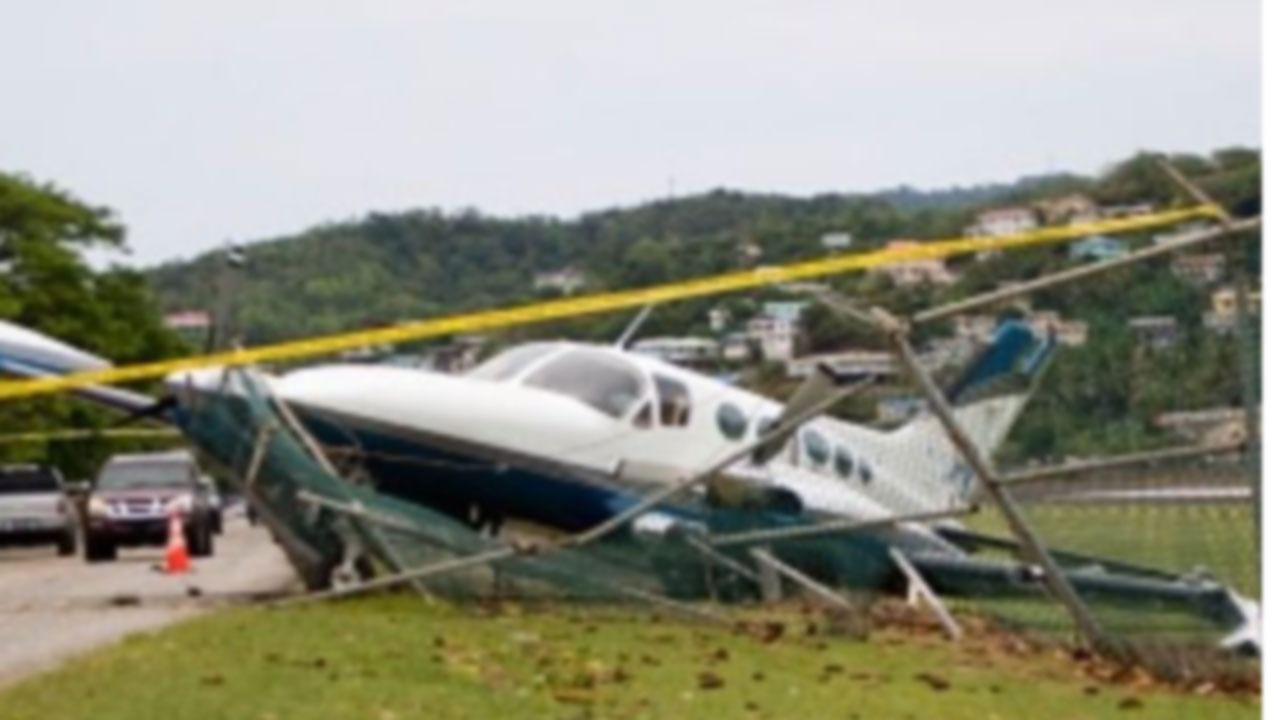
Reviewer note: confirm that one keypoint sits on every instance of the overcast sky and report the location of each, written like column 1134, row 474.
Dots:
column 246, row 118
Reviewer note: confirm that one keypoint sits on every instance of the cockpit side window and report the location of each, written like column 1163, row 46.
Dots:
column 674, row 401
column 644, row 417
column 509, row 363
column 606, row 383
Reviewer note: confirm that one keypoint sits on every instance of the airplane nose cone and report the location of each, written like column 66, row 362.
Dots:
column 444, row 406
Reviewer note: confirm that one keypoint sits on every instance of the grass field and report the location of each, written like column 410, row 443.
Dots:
column 395, row 658
column 1178, row 538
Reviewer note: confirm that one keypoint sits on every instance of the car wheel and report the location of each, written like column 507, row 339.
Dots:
column 99, row 550
column 67, row 543
column 200, row 540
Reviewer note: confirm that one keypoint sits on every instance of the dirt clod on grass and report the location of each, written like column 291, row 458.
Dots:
column 708, row 680
column 936, row 682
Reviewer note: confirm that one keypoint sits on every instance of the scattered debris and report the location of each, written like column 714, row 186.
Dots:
column 937, row 682
column 708, row 680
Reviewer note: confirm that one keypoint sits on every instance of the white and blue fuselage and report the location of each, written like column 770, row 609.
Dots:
column 568, row 434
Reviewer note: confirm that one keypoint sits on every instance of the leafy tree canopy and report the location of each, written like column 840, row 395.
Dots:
column 47, row 285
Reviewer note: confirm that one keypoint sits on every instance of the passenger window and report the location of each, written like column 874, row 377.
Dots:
column 844, row 462
column 865, row 473
column 673, row 402
column 817, row 447
column 732, row 421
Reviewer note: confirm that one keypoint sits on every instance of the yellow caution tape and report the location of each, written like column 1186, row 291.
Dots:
column 603, row 302
column 71, row 435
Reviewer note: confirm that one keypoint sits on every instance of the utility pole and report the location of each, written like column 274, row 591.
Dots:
column 226, row 333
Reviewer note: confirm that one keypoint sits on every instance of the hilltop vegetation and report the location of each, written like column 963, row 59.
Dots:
column 389, row 267
column 385, row 268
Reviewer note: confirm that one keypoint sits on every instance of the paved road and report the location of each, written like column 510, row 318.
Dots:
column 52, row 608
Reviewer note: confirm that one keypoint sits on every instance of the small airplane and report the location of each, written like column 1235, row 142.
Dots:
column 567, row 435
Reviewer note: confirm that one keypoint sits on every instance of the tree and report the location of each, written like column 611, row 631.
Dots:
column 47, row 286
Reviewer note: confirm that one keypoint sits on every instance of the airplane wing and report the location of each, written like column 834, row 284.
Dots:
column 28, row 354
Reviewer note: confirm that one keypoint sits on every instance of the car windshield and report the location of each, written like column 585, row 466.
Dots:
column 604, row 382
column 509, row 363
column 27, row 480
column 118, row 476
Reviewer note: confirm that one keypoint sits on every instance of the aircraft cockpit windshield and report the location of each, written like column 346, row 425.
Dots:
column 509, row 363
column 607, row 383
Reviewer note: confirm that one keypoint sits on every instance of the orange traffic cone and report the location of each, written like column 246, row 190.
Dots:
column 176, row 558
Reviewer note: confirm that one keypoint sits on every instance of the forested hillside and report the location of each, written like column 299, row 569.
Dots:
column 389, row 267
column 385, row 268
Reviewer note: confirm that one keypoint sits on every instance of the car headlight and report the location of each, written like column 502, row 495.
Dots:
column 98, row 507
column 181, row 504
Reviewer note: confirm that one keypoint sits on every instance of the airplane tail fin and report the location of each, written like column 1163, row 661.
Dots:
column 987, row 399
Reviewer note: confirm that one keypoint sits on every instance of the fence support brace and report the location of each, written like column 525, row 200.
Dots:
column 918, row 588
column 831, row 597
column 1054, row 578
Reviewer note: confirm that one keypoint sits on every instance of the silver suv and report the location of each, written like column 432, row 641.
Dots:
column 34, row 509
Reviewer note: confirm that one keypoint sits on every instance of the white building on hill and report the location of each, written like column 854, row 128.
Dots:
column 680, row 350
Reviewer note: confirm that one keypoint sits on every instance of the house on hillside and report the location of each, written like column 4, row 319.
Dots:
column 1000, row 222
column 1098, row 247
column 735, row 348
column 974, row 328
column 1069, row 333
column 871, row 363
column 749, row 252
column 910, row 273
column 1072, row 208
column 788, row 310
column 680, row 350
column 836, row 241
column 1221, row 316
column 1201, row 269
column 1003, row 221
column 718, row 319
column 775, row 336
column 776, row 328
column 1155, row 331
column 191, row 325
column 1211, row 426
column 1120, row 211
column 567, row 280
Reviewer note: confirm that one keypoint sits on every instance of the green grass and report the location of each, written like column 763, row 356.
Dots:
column 392, row 658
column 1178, row 538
